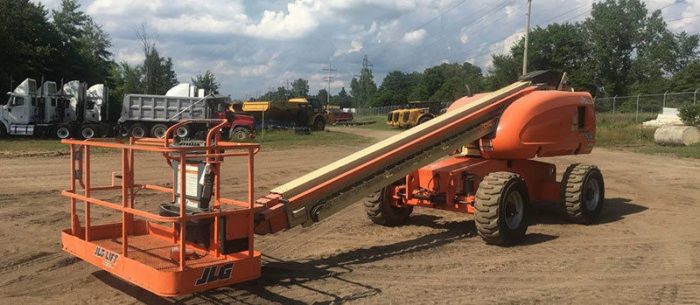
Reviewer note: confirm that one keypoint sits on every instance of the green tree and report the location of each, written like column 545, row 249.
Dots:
column 687, row 79
column 158, row 73
column 279, row 95
column 343, row 99
column 206, row 81
column 300, row 88
column 394, row 89
column 84, row 53
column 563, row 47
column 322, row 96
column 363, row 89
column 124, row 79
column 31, row 44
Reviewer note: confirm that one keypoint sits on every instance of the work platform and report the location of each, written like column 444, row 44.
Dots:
column 173, row 253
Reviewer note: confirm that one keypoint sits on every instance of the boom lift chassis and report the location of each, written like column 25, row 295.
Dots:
column 191, row 246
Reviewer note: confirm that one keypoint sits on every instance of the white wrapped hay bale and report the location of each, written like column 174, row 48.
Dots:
column 677, row 135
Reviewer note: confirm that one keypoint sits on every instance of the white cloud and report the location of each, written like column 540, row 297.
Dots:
column 414, row 37
column 298, row 21
column 255, row 45
column 464, row 35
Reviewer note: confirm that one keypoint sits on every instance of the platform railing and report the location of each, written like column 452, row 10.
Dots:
column 80, row 173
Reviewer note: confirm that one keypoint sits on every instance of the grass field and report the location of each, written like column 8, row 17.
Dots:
column 623, row 131
column 23, row 146
column 379, row 123
column 287, row 138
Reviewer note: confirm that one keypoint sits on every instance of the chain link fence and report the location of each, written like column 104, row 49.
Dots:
column 643, row 104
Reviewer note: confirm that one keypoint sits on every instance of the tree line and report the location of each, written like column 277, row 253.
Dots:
column 622, row 49
column 67, row 44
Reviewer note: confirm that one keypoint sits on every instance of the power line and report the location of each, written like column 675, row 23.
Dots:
column 689, row 17
column 329, row 79
column 668, row 5
column 430, row 46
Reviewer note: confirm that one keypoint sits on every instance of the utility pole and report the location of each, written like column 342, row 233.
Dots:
column 527, row 34
column 329, row 79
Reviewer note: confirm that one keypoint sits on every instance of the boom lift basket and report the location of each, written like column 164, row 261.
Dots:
column 189, row 246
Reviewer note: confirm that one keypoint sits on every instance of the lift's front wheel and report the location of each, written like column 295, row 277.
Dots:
column 380, row 208
column 583, row 193
column 501, row 208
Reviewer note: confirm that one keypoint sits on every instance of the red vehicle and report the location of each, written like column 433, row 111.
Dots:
column 341, row 117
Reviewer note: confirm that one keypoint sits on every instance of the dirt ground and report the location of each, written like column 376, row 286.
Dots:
column 644, row 250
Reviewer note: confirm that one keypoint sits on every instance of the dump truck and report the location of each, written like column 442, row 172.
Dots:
column 476, row 159
column 295, row 112
column 74, row 110
column 151, row 115
column 415, row 113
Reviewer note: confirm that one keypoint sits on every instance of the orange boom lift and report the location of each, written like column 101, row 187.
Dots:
column 476, row 159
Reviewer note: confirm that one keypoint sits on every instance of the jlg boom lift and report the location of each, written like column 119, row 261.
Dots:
column 476, row 159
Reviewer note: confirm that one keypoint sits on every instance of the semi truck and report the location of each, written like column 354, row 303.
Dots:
column 76, row 110
column 73, row 110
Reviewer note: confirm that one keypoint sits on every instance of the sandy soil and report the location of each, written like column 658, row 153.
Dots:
column 645, row 249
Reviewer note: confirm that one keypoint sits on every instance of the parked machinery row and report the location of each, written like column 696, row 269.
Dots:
column 73, row 110
column 78, row 111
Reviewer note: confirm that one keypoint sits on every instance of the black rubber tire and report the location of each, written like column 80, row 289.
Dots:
column 492, row 207
column 581, row 200
column 424, row 119
column 380, row 211
column 319, row 124
column 183, row 132
column 239, row 134
column 138, row 131
column 64, row 131
column 123, row 130
column 89, row 131
column 159, row 130
column 3, row 131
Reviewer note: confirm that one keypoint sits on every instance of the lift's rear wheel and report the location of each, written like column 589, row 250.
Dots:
column 501, row 208
column 3, row 131
column 137, row 131
column 583, row 193
column 381, row 210
column 88, row 131
column 64, row 132
column 159, row 130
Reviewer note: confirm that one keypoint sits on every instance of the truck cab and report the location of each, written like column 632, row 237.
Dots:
column 19, row 111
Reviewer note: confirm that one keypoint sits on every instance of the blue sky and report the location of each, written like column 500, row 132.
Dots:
column 253, row 46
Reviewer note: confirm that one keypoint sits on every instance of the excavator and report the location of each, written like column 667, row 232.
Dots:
column 477, row 158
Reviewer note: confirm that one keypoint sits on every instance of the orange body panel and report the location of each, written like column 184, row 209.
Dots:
column 542, row 124
column 451, row 184
column 155, row 257
column 150, row 267
column 537, row 124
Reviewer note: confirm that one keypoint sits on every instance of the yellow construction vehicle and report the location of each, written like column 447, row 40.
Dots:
column 414, row 114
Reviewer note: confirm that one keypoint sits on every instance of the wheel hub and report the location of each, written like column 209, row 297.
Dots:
column 591, row 194
column 514, row 210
